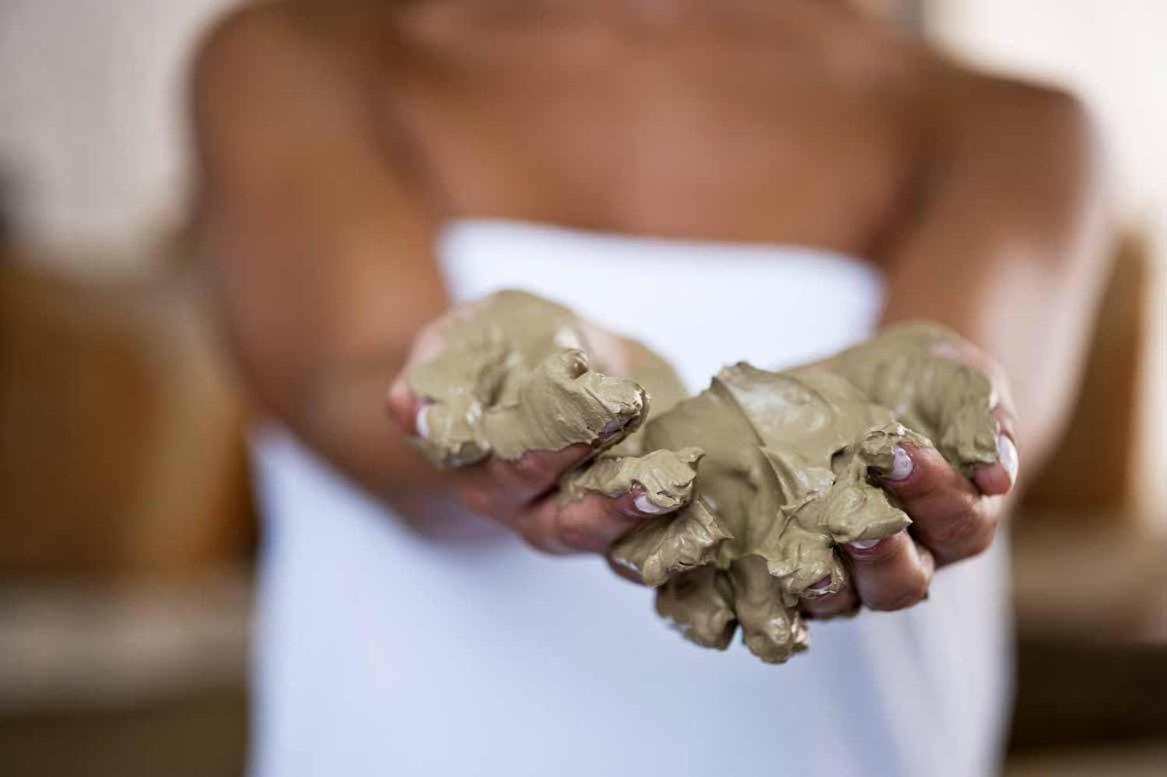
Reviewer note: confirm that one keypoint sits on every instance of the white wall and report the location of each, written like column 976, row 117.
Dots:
column 90, row 116
column 1112, row 52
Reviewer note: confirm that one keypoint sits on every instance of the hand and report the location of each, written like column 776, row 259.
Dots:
column 953, row 517
column 520, row 494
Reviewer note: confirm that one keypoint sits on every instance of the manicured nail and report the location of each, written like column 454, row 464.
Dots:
column 901, row 465
column 863, row 544
column 623, row 562
column 423, row 426
column 821, row 585
column 645, row 505
column 1007, row 456
column 611, row 429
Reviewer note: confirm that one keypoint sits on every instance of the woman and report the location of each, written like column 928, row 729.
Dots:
column 759, row 179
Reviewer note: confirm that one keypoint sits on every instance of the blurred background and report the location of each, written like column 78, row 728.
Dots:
column 126, row 530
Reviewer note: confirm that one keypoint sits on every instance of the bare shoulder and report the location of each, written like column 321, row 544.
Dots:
column 247, row 42
column 281, row 58
column 282, row 87
column 984, row 109
column 1013, row 157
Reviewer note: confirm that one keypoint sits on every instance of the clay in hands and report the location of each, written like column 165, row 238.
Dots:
column 790, row 469
column 762, row 474
column 515, row 375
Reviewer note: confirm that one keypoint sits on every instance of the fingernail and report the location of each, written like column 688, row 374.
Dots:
column 863, row 544
column 423, row 426
column 821, row 585
column 1007, row 456
column 611, row 429
column 623, row 562
column 645, row 505
column 901, row 465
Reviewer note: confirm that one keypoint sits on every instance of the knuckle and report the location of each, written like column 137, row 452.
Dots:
column 966, row 533
column 572, row 521
column 538, row 542
column 956, row 532
column 958, row 527
column 906, row 594
column 532, row 469
column 476, row 499
column 579, row 540
column 985, row 537
column 541, row 534
column 575, row 529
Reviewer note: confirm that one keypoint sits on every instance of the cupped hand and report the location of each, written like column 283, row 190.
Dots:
column 954, row 517
column 521, row 494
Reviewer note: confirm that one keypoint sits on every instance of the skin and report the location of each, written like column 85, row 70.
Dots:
column 334, row 140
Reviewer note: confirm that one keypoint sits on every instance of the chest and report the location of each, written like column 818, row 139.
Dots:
column 685, row 136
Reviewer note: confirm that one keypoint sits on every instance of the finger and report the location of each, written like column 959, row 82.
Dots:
column 405, row 408
column 892, row 573
column 949, row 515
column 590, row 524
column 497, row 487
column 968, row 354
column 624, row 569
column 842, row 602
column 999, row 477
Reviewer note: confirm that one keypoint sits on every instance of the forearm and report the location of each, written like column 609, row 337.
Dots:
column 1033, row 320
column 344, row 418
column 319, row 327
column 318, row 243
column 1009, row 252
column 308, row 370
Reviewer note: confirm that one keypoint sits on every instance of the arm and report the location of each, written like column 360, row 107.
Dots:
column 1005, row 249
column 318, row 239
column 1007, row 245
